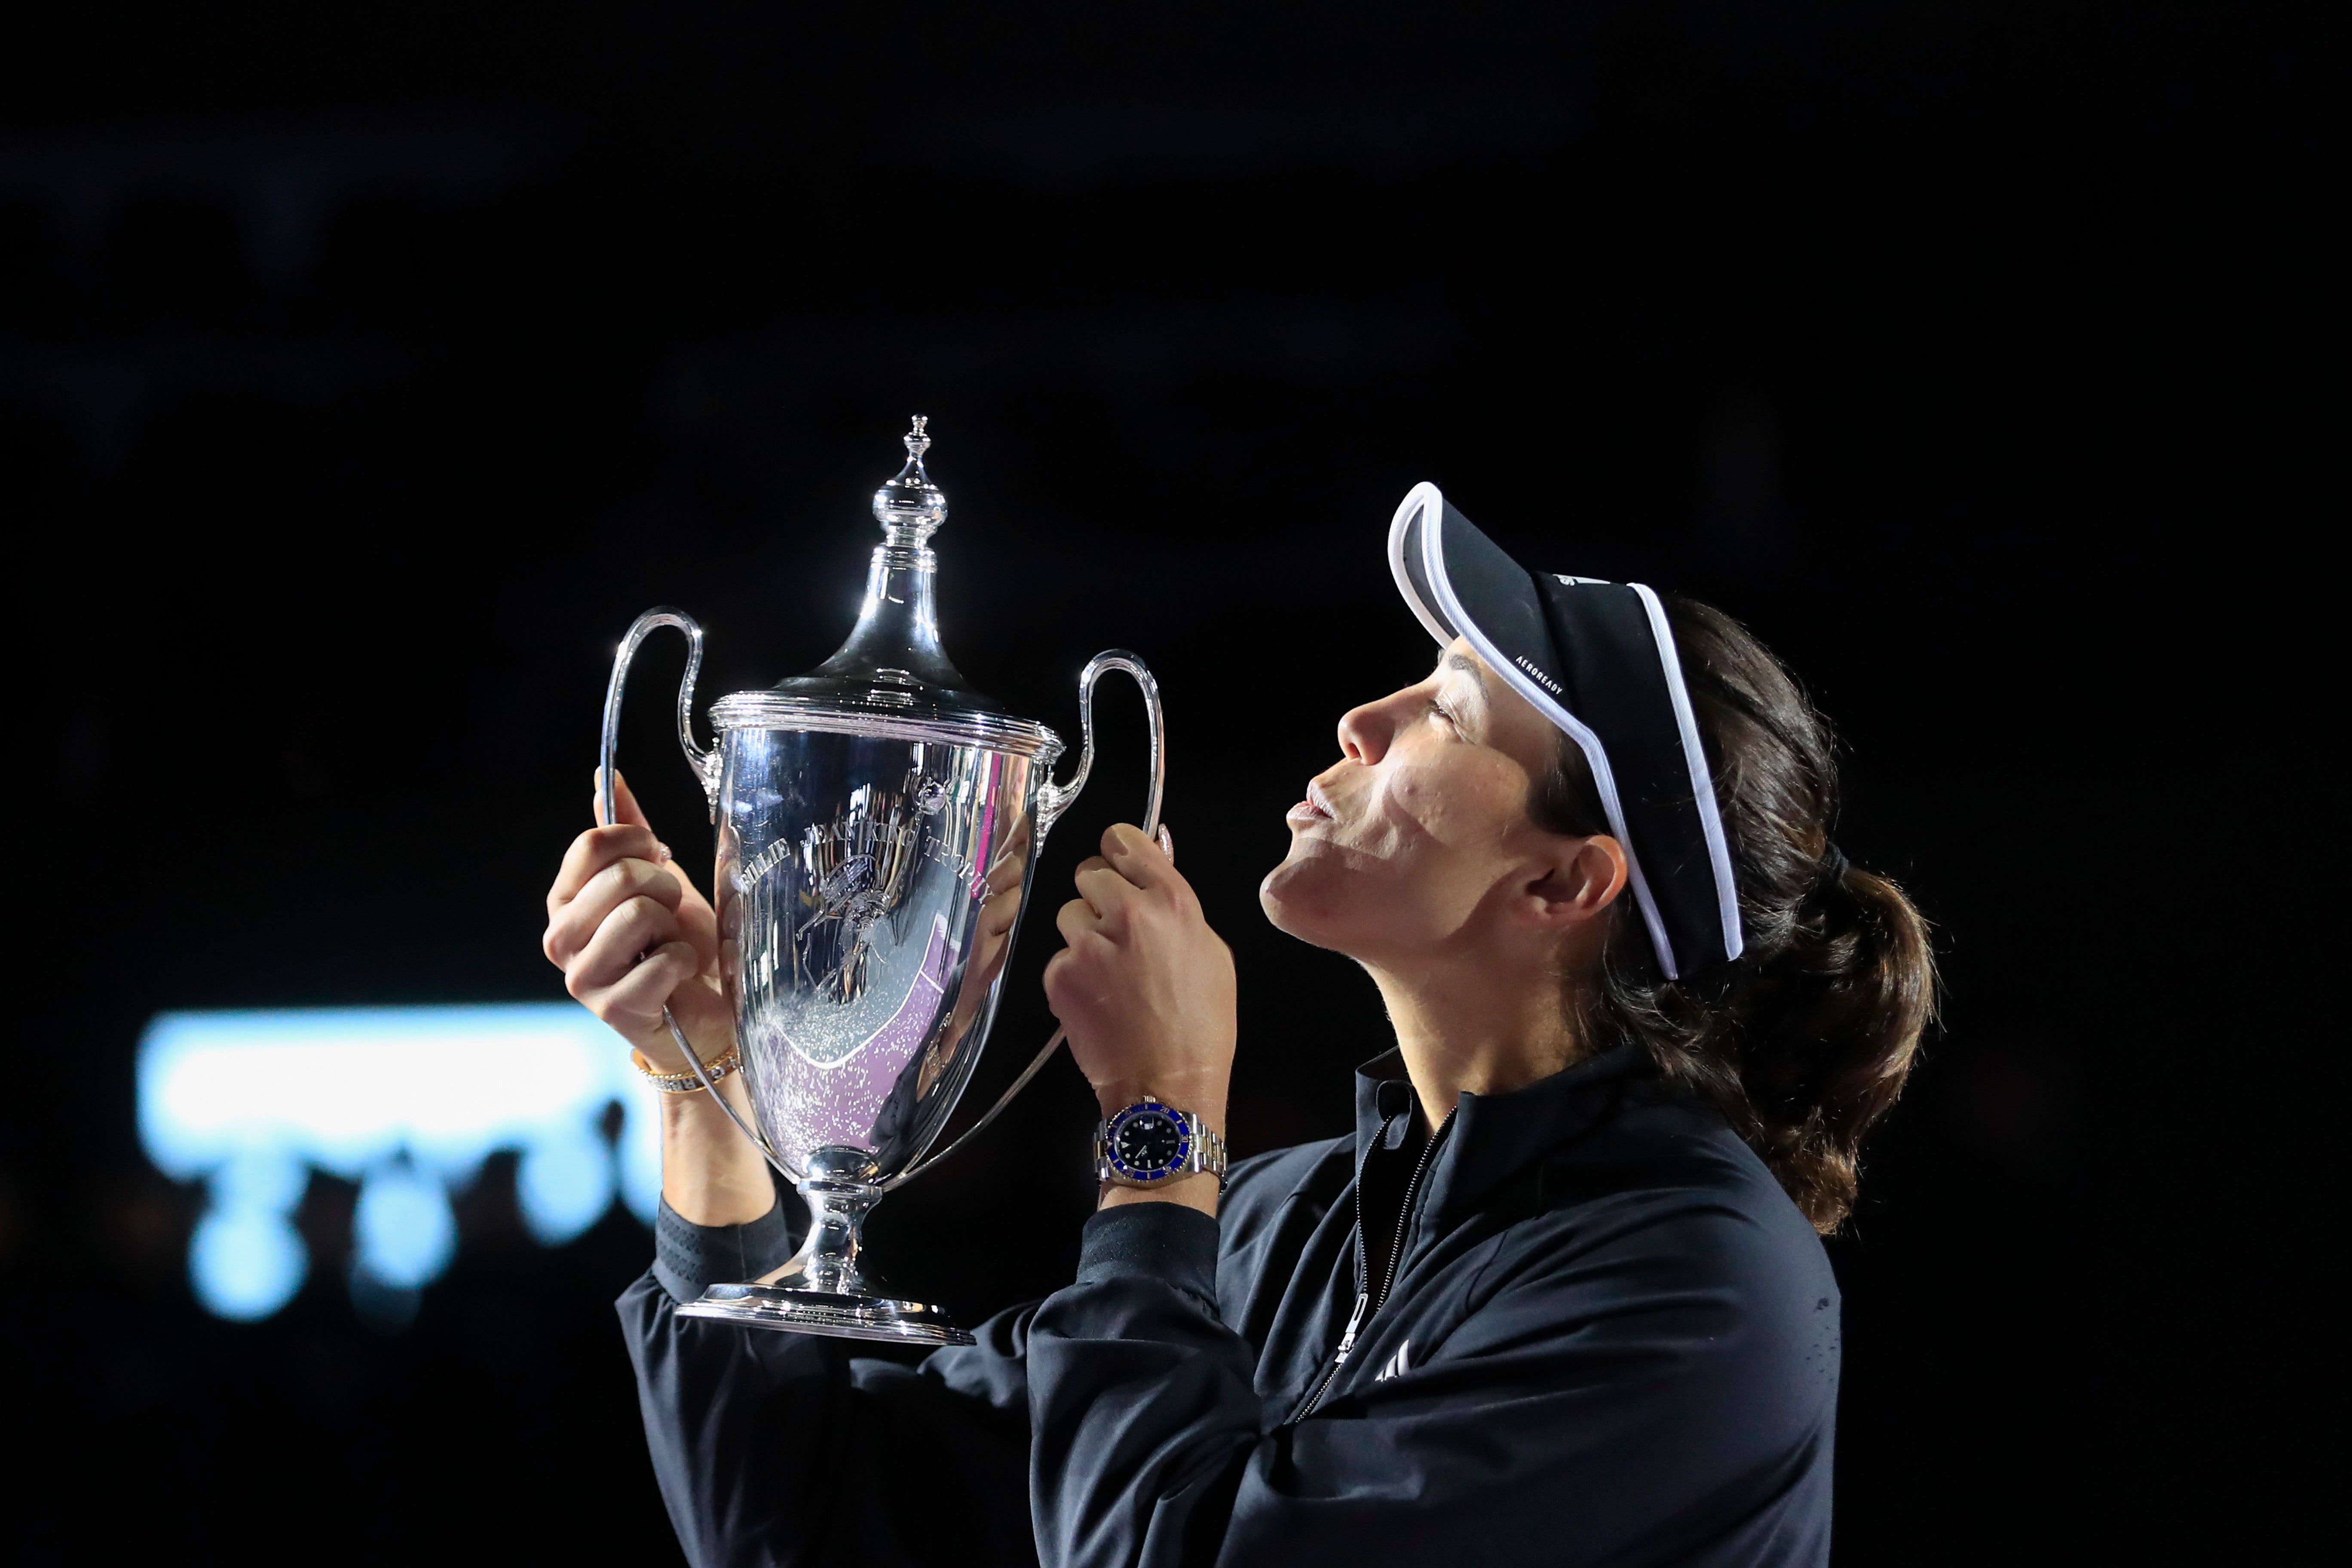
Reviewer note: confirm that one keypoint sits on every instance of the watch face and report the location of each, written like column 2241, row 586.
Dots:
column 1149, row 1141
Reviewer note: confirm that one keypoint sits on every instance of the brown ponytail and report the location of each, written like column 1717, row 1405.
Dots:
column 1806, row 1039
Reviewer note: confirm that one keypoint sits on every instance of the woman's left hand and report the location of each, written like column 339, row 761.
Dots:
column 1144, row 987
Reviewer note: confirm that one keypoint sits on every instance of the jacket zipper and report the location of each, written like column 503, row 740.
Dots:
column 1368, row 1302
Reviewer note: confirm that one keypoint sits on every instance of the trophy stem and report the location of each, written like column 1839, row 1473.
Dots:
column 827, row 1261
column 823, row 1290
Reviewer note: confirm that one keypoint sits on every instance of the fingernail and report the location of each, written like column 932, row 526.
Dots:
column 663, row 850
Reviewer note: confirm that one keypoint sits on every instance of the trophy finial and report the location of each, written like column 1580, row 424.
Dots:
column 909, row 507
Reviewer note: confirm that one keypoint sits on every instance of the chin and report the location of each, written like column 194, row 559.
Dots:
column 1311, row 897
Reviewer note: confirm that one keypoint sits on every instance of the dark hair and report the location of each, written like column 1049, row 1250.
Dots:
column 1806, row 1039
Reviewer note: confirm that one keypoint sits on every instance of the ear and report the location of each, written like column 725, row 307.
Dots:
column 1579, row 885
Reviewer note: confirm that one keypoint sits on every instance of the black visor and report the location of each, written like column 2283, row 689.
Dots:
column 1598, row 659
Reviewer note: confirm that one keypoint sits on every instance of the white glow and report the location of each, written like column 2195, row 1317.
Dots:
column 406, row 1101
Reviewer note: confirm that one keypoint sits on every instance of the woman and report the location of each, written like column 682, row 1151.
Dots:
column 1559, row 1298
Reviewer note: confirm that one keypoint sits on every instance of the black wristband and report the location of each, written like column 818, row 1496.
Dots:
column 689, row 1258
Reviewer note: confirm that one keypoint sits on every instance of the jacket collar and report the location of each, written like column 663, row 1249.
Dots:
column 1494, row 1135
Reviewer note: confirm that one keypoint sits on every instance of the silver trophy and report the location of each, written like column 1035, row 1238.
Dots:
column 878, row 823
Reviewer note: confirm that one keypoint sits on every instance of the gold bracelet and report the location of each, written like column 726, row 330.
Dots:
column 687, row 1082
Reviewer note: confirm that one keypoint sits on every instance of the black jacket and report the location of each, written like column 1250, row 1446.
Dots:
column 1610, row 1337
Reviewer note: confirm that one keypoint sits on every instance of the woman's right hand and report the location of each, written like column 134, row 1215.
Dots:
column 630, row 933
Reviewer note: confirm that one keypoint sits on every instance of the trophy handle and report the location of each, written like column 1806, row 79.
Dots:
column 1054, row 799
column 706, row 768
column 705, row 764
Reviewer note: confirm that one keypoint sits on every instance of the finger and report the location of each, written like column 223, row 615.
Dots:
column 572, row 925
column 1076, row 918
column 995, row 926
column 591, row 852
column 1139, row 860
column 634, row 1003
column 620, row 945
column 998, row 913
column 624, row 802
column 1103, row 887
column 637, row 928
column 1006, row 872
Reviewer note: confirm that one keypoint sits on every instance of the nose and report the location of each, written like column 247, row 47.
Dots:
column 1365, row 733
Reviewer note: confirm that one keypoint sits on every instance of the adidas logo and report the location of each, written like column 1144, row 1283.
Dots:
column 1396, row 1364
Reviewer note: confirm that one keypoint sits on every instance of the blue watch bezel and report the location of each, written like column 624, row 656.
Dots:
column 1180, row 1165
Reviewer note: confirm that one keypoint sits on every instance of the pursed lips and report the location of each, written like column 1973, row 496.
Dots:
column 1316, row 807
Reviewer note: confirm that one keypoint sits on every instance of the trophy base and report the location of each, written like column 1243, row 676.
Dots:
column 824, row 1312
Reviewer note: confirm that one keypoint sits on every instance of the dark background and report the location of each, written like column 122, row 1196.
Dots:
column 364, row 370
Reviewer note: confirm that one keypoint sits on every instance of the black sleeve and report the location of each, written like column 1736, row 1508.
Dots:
column 786, row 1449
column 1620, row 1407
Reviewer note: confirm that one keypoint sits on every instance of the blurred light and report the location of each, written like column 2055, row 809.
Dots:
column 405, row 1101
column 405, row 1232
column 246, row 1263
column 565, row 1184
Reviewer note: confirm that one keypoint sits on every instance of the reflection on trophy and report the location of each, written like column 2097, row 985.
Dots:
column 877, row 822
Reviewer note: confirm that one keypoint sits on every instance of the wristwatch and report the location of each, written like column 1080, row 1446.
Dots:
column 1150, row 1143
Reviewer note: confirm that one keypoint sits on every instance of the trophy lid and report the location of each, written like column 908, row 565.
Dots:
column 893, row 676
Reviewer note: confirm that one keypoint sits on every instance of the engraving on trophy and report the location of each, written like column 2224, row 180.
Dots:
column 855, row 868
column 767, row 860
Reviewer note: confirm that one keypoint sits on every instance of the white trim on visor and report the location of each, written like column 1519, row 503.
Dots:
column 1710, row 815
column 1430, row 501
column 1434, row 502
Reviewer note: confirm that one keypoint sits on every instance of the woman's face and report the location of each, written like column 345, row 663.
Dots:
column 1417, row 841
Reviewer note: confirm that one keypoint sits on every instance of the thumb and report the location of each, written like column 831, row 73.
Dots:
column 702, row 1009
column 1146, row 862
